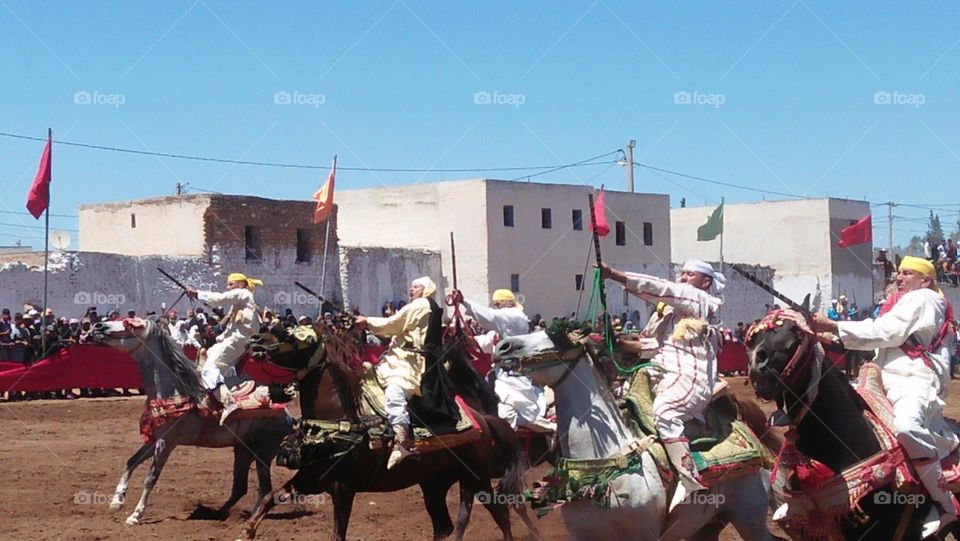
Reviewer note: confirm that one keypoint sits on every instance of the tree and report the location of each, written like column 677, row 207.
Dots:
column 934, row 230
column 915, row 247
column 956, row 233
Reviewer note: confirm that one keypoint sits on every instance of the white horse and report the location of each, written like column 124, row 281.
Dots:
column 590, row 427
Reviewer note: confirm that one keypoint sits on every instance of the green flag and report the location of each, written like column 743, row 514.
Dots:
column 713, row 227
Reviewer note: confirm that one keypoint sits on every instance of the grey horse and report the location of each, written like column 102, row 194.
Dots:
column 169, row 374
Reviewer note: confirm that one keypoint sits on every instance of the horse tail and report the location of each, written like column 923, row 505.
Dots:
column 756, row 419
column 509, row 455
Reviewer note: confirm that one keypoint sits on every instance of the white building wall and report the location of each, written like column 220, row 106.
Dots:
column 547, row 260
column 797, row 238
column 163, row 225
column 373, row 276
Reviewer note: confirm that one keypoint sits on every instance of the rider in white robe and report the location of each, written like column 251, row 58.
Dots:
column 684, row 342
column 916, row 384
column 521, row 402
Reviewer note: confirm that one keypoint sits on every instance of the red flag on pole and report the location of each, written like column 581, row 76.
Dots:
column 858, row 233
column 38, row 199
column 600, row 227
column 324, row 197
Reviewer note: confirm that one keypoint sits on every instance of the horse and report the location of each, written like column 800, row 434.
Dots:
column 330, row 390
column 591, row 429
column 828, row 419
column 169, row 375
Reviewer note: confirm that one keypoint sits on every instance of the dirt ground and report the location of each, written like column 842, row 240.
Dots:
column 60, row 462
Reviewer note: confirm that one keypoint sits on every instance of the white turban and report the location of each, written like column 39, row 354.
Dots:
column 429, row 288
column 698, row 265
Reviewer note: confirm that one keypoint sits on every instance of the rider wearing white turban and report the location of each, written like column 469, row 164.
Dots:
column 401, row 366
column 682, row 340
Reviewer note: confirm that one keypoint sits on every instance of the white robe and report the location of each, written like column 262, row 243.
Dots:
column 917, row 392
column 685, row 386
column 521, row 402
column 240, row 322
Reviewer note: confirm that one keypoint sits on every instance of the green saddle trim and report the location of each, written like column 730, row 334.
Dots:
column 575, row 479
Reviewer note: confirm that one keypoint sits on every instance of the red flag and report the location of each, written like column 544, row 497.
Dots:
column 858, row 233
column 38, row 199
column 600, row 226
column 324, row 197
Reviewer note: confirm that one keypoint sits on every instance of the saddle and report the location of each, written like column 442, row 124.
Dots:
column 815, row 511
column 722, row 448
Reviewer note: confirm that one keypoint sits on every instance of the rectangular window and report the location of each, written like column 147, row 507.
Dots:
column 577, row 220
column 508, row 216
column 515, row 283
column 579, row 282
column 303, row 246
column 546, row 220
column 251, row 243
column 133, row 221
column 626, row 298
column 647, row 234
column 621, row 234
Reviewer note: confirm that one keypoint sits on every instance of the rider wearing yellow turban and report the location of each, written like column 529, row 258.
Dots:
column 240, row 322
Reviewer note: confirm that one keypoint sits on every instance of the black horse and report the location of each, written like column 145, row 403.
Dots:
column 818, row 402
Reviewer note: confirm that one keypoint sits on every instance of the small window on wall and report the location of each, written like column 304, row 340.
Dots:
column 133, row 221
column 251, row 242
column 515, row 283
column 626, row 298
column 578, row 280
column 303, row 246
column 577, row 220
column 508, row 216
column 621, row 234
column 647, row 234
column 546, row 219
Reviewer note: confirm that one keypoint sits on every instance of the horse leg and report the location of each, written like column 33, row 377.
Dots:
column 521, row 509
column 435, row 500
column 161, row 454
column 746, row 505
column 241, row 471
column 342, row 506
column 499, row 511
column 467, row 496
column 263, row 475
column 145, row 452
column 265, row 504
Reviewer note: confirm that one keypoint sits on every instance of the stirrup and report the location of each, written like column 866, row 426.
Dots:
column 934, row 526
column 398, row 453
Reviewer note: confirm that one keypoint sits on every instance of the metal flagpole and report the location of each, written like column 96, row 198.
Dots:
column 46, row 252
column 326, row 240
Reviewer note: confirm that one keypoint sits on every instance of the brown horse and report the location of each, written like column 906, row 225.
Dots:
column 330, row 391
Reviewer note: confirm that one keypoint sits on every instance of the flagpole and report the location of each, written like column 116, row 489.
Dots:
column 46, row 254
column 721, row 234
column 326, row 239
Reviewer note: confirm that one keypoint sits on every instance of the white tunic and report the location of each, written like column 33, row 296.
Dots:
column 240, row 322
column 520, row 400
column 909, row 383
column 689, row 363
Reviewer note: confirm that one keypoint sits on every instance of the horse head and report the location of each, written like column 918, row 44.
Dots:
column 782, row 349
column 295, row 348
column 124, row 334
column 546, row 358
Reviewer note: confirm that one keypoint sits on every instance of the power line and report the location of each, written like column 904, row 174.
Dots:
column 719, row 182
column 28, row 214
column 308, row 166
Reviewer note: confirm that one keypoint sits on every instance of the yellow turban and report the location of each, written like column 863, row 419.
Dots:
column 503, row 295
column 240, row 277
column 918, row 264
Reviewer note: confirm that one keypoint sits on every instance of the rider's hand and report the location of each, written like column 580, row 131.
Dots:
column 192, row 293
column 609, row 273
column 360, row 322
column 821, row 323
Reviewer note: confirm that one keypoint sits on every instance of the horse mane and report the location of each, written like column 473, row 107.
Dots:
column 173, row 357
column 343, row 346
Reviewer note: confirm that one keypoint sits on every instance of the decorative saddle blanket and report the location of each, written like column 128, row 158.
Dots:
column 817, row 505
column 251, row 400
column 723, row 448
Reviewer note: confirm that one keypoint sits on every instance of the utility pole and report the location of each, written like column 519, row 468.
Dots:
column 179, row 189
column 630, row 146
column 890, row 205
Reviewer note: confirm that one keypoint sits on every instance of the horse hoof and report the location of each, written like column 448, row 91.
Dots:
column 132, row 521
column 115, row 506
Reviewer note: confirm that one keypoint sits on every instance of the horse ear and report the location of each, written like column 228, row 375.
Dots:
column 806, row 304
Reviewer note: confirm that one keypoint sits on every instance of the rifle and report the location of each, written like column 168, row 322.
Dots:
column 178, row 283
column 803, row 309
column 310, row 291
column 607, row 323
column 455, row 300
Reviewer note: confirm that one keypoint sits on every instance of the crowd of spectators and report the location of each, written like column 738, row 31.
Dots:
column 943, row 255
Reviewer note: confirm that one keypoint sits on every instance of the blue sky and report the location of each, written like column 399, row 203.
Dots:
column 810, row 97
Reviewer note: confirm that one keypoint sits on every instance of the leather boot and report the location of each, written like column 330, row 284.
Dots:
column 944, row 508
column 402, row 443
column 678, row 451
column 226, row 399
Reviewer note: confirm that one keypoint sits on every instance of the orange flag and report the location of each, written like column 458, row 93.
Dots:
column 324, row 197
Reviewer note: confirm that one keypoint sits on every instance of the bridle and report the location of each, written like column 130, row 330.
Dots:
column 569, row 358
column 806, row 356
column 128, row 332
